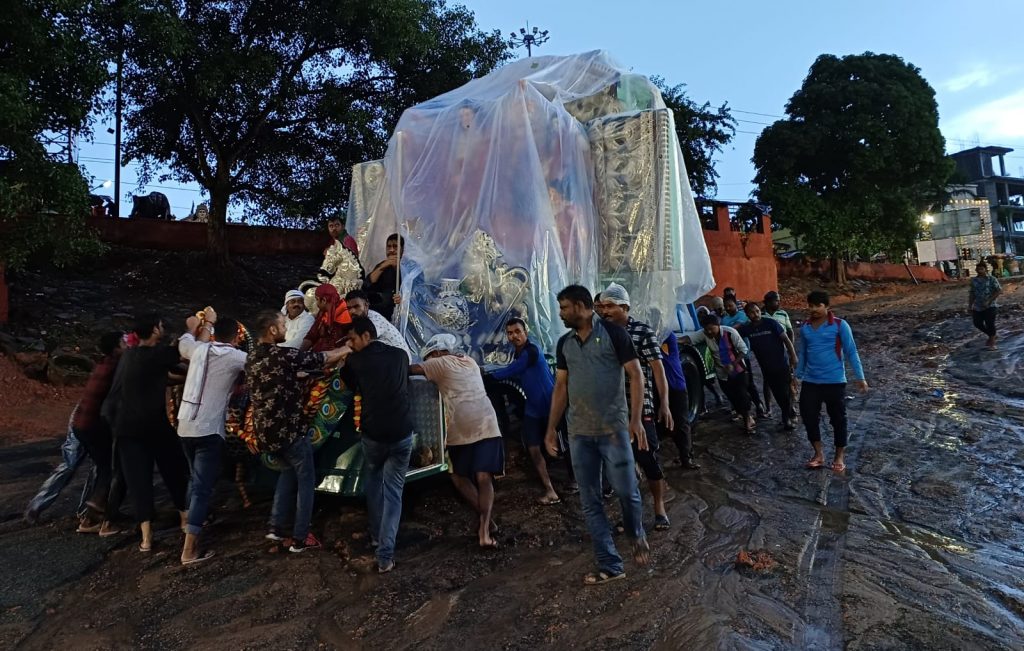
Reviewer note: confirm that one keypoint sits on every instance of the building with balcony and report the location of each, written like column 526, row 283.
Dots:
column 985, row 167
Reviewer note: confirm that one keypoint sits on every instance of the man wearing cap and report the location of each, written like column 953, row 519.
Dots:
column 299, row 320
column 615, row 307
column 593, row 360
column 475, row 448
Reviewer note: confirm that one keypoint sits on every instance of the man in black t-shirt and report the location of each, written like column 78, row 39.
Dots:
column 380, row 373
column 775, row 355
column 141, row 427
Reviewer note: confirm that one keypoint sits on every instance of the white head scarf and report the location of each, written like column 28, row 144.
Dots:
column 292, row 293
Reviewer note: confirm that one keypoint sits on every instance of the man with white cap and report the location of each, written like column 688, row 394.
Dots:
column 615, row 308
column 475, row 447
column 299, row 321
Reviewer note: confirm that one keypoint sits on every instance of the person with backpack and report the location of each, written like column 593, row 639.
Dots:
column 729, row 353
column 825, row 344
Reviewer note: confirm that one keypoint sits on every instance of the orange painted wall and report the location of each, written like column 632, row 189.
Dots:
column 860, row 270
column 744, row 263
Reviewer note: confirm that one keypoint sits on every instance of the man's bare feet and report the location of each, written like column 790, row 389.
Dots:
column 549, row 498
column 816, row 461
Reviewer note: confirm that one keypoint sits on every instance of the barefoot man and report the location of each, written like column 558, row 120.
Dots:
column 475, row 447
column 593, row 361
column 826, row 343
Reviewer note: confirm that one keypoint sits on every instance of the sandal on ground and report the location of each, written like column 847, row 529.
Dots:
column 661, row 522
column 145, row 549
column 548, row 501
column 199, row 559
column 641, row 552
column 489, row 547
column 814, row 464
column 598, row 578
column 113, row 531
column 84, row 527
column 386, row 567
column 838, row 466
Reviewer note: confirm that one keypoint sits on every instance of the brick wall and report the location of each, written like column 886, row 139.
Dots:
column 4, row 313
column 191, row 236
column 859, row 270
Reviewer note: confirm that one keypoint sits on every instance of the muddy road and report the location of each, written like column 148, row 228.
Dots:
column 920, row 544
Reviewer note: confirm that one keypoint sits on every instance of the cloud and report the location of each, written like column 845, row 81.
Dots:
column 977, row 78
column 999, row 121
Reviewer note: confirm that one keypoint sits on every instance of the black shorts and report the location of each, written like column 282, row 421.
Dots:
column 487, row 455
column 648, row 459
column 534, row 430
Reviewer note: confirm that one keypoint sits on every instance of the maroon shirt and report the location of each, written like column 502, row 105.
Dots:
column 96, row 389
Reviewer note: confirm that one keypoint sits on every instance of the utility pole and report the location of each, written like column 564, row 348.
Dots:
column 118, row 108
column 529, row 38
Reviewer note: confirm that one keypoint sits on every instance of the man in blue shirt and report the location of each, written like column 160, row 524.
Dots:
column 532, row 372
column 775, row 355
column 825, row 344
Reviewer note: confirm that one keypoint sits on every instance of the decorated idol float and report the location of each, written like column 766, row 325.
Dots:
column 548, row 171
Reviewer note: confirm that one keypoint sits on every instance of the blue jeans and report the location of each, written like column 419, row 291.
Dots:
column 385, row 465
column 72, row 455
column 204, row 455
column 293, row 498
column 613, row 455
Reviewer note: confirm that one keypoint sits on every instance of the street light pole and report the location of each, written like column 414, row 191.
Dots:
column 529, row 38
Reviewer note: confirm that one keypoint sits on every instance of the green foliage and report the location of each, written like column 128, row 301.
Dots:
column 51, row 71
column 858, row 159
column 703, row 132
column 270, row 103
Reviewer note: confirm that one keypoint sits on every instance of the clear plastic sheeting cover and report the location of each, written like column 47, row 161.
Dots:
column 546, row 172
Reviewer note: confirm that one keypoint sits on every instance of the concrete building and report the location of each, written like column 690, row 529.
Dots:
column 985, row 167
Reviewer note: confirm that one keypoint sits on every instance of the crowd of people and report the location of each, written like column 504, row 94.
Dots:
column 616, row 392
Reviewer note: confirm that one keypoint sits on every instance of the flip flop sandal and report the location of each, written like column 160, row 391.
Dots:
column 838, row 467
column 814, row 465
column 145, row 549
column 662, row 523
column 599, row 578
column 548, row 501
column 109, row 533
column 199, row 559
column 493, row 546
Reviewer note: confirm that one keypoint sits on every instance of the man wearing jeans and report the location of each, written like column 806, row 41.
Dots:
column 213, row 369
column 380, row 373
column 593, row 360
column 279, row 424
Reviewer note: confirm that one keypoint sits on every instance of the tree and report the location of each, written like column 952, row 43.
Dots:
column 269, row 104
column 858, row 158
column 703, row 132
column 51, row 72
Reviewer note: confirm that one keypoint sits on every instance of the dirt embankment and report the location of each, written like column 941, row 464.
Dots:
column 918, row 545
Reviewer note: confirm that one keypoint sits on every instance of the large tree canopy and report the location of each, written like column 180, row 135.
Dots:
column 858, row 159
column 703, row 131
column 51, row 72
column 270, row 103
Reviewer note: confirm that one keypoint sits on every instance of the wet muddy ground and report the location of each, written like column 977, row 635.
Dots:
column 918, row 545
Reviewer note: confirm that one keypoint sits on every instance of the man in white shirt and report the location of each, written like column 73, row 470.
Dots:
column 214, row 368
column 299, row 321
column 387, row 334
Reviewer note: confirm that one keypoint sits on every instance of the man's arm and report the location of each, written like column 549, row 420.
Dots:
column 516, row 368
column 187, row 345
column 661, row 382
column 850, row 352
column 379, row 269
column 788, row 342
column 636, row 402
column 559, row 400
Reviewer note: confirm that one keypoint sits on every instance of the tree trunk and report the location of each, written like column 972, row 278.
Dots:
column 838, row 270
column 216, row 229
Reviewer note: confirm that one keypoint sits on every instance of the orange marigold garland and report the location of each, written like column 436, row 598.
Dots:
column 357, row 411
